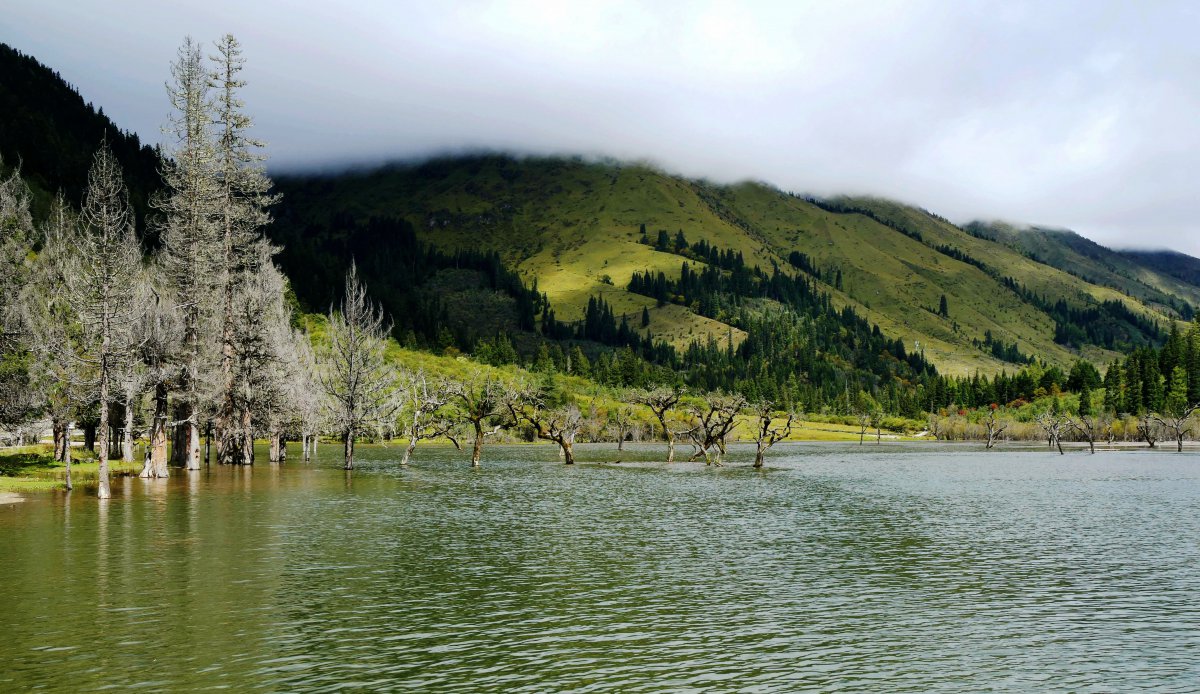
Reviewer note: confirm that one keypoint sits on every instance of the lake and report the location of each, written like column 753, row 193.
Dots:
column 876, row 568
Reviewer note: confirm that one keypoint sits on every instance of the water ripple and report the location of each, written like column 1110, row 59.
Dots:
column 838, row 569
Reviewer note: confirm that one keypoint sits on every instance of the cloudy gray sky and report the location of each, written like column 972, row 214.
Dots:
column 1072, row 114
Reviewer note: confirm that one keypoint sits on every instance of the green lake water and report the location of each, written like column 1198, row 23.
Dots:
column 840, row 568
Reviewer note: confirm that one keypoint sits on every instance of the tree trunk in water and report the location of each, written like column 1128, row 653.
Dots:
column 1180, row 441
column 282, row 448
column 620, row 442
column 66, row 453
column 670, row 447
column 189, row 440
column 273, row 454
column 103, row 490
column 127, row 433
column 348, row 439
column 306, row 443
column 412, row 445
column 244, row 439
column 177, row 442
column 208, row 434
column 1058, row 442
column 156, row 455
column 477, row 449
column 568, row 452
column 758, row 456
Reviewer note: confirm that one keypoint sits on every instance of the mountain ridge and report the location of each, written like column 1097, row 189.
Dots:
column 574, row 225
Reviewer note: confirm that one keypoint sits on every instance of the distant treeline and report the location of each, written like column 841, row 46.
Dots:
column 51, row 133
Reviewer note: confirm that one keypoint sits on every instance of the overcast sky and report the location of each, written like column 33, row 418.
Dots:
column 1080, row 115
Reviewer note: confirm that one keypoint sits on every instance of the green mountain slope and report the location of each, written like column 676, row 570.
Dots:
column 575, row 227
column 1172, row 263
column 1132, row 272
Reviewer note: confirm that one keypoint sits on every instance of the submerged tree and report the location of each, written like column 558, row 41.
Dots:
column 994, row 427
column 191, row 249
column 766, row 432
column 424, row 413
column 1177, row 413
column 560, row 424
column 243, row 196
column 713, row 422
column 661, row 401
column 1148, row 429
column 1052, row 424
column 362, row 389
column 306, row 395
column 480, row 400
column 104, row 285
column 620, row 422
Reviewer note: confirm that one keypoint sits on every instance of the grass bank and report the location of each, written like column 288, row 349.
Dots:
column 29, row 469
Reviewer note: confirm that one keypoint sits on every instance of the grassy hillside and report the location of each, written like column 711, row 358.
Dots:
column 575, row 227
column 1134, row 273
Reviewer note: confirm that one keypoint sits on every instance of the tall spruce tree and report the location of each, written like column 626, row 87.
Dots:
column 191, row 248
column 243, row 199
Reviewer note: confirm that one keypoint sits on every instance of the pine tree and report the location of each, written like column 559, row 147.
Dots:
column 361, row 387
column 243, row 200
column 104, row 285
column 1085, row 401
column 190, row 245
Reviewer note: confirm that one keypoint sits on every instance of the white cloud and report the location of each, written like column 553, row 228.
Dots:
column 1077, row 114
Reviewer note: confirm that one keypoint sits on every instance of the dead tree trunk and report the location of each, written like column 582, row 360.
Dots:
column 348, row 443
column 156, row 454
column 127, row 432
column 66, row 453
column 477, row 450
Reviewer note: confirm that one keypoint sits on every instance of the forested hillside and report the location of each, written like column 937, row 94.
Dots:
column 967, row 300
column 50, row 132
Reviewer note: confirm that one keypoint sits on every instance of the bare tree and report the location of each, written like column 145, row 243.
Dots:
column 994, row 427
column 362, row 388
column 158, row 334
column 713, row 422
column 104, row 283
column 424, row 412
column 1148, row 429
column 1052, row 424
column 559, row 424
column 481, row 402
column 877, row 424
column 864, row 423
column 17, row 399
column 661, row 401
column 306, row 394
column 1087, row 427
column 60, row 376
column 620, row 422
column 243, row 198
column 190, row 246
column 1178, row 422
column 766, row 432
